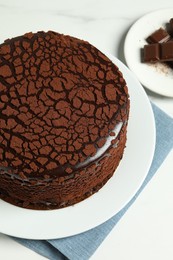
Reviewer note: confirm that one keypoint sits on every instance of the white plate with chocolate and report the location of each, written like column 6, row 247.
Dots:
column 148, row 51
column 49, row 224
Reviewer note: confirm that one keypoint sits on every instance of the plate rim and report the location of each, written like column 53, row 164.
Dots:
column 82, row 227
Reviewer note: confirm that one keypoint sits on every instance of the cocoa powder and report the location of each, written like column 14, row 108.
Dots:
column 59, row 100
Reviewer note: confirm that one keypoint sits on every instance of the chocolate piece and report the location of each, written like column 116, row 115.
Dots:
column 60, row 101
column 171, row 24
column 170, row 64
column 170, row 27
column 163, row 49
column 166, row 51
column 151, row 53
column 158, row 36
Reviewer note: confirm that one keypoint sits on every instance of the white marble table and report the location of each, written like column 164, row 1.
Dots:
column 145, row 232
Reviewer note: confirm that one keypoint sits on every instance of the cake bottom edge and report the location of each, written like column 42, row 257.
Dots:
column 52, row 206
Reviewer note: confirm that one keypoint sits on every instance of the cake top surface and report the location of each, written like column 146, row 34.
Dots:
column 60, row 99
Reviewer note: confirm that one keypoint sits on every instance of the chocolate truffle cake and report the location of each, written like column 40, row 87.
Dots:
column 63, row 118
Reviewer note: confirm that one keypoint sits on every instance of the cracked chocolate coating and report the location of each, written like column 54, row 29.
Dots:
column 60, row 98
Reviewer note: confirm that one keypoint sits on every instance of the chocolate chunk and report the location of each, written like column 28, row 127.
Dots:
column 151, row 53
column 170, row 64
column 167, row 51
column 171, row 26
column 160, row 46
column 158, row 36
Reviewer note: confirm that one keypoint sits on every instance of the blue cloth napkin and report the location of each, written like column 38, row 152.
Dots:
column 82, row 246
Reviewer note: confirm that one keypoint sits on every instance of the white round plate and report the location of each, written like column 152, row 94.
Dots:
column 111, row 198
column 156, row 77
